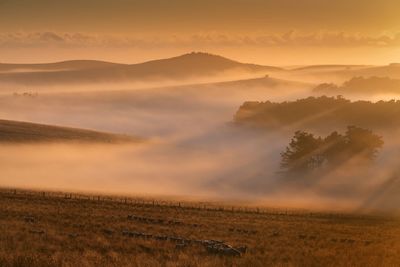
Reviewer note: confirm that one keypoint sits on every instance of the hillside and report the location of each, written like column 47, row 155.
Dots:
column 360, row 85
column 265, row 81
column 198, row 62
column 64, row 65
column 322, row 113
column 193, row 65
column 391, row 70
column 24, row 132
column 323, row 68
column 145, row 232
column 262, row 84
column 341, row 73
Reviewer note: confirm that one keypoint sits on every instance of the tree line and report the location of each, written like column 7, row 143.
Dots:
column 320, row 113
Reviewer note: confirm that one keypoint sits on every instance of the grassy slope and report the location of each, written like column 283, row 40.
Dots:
column 74, row 235
column 23, row 132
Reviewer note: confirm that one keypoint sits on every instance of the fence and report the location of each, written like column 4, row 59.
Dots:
column 136, row 201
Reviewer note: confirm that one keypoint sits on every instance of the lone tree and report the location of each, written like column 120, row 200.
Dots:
column 307, row 152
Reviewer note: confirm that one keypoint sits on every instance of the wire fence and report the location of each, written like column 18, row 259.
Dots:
column 189, row 205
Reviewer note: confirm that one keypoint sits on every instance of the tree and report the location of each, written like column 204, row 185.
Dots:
column 301, row 154
column 362, row 142
column 334, row 148
column 307, row 152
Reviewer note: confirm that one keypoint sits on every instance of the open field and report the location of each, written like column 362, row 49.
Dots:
column 48, row 229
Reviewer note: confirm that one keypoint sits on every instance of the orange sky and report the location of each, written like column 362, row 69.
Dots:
column 274, row 32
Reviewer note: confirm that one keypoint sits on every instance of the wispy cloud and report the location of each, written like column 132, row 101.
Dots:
column 291, row 38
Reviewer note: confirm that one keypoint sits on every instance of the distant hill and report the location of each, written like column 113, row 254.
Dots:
column 193, row 65
column 345, row 72
column 25, row 132
column 264, row 83
column 322, row 114
column 391, row 70
column 361, row 85
column 328, row 68
column 64, row 65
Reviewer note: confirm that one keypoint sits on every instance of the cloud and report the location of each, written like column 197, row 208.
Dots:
column 291, row 38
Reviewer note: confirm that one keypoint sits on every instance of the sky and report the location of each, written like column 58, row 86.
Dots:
column 270, row 32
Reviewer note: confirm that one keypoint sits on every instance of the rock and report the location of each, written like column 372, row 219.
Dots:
column 242, row 249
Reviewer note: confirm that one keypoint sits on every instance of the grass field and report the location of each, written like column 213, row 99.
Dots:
column 25, row 132
column 47, row 230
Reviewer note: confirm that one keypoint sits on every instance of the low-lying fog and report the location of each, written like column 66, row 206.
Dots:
column 193, row 150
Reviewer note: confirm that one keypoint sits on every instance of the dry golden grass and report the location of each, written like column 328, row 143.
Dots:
column 54, row 231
